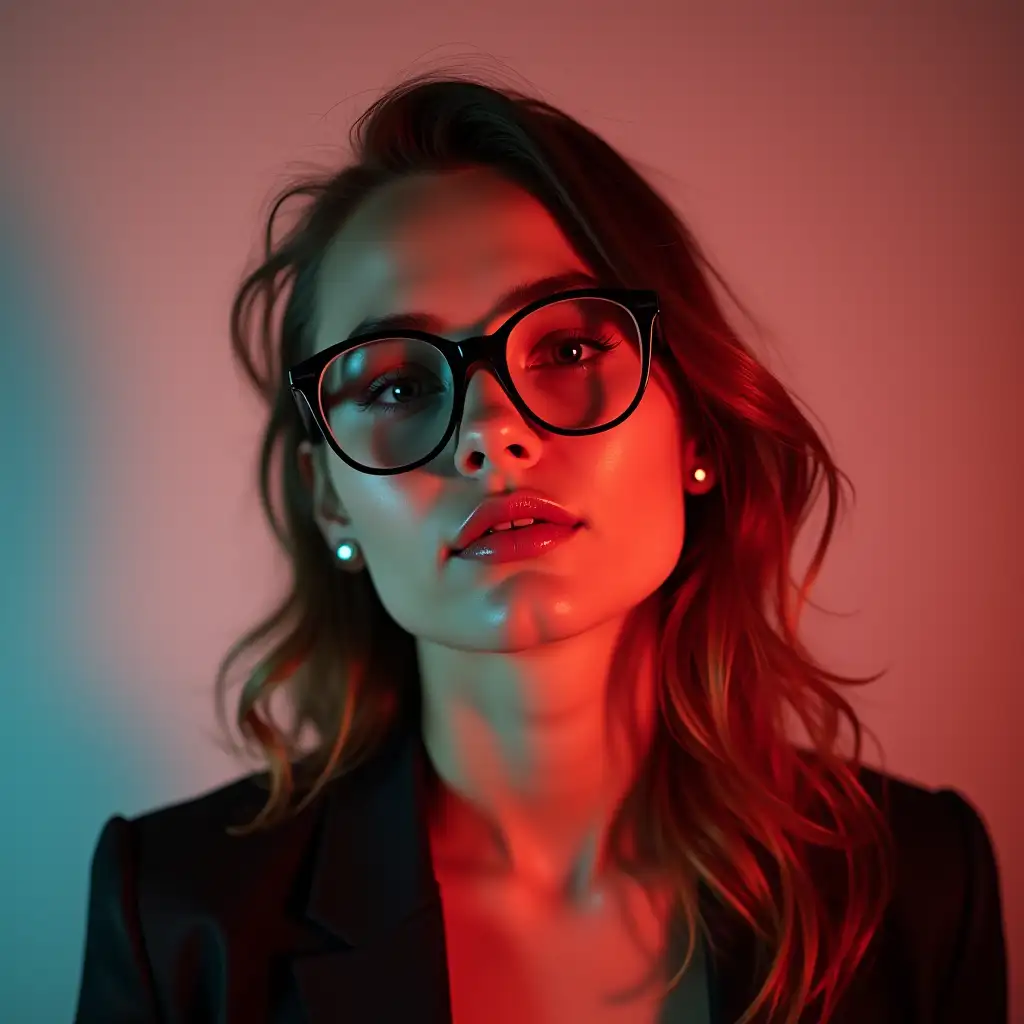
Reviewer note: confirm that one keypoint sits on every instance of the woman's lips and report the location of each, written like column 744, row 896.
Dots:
column 518, row 543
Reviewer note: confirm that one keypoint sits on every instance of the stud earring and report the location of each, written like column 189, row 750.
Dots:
column 349, row 556
column 699, row 475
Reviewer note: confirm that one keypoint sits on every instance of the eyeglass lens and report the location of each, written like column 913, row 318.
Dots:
column 576, row 363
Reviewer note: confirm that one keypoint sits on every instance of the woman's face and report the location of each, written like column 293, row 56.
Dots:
column 450, row 246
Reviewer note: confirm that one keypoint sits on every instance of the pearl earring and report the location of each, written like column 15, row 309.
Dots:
column 699, row 475
column 349, row 556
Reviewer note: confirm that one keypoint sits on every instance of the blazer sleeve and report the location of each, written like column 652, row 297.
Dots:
column 116, row 985
column 975, row 988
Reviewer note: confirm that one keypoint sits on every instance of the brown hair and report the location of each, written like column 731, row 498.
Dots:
column 731, row 666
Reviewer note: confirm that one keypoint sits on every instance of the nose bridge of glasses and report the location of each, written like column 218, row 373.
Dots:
column 486, row 398
column 481, row 352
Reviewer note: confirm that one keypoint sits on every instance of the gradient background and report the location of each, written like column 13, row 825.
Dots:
column 854, row 169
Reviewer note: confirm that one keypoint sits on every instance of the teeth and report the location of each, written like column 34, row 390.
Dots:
column 516, row 523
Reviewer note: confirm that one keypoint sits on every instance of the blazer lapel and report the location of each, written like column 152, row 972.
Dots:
column 375, row 902
column 374, row 897
column 374, row 893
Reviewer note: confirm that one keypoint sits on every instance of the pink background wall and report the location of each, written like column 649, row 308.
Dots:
column 856, row 173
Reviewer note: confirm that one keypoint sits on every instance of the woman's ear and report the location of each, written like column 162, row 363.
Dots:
column 304, row 456
column 328, row 512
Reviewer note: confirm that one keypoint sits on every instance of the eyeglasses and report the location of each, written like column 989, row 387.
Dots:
column 389, row 401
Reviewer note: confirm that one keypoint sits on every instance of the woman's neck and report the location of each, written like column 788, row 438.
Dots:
column 533, row 756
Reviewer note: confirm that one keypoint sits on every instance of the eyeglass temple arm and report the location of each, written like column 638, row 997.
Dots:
column 309, row 424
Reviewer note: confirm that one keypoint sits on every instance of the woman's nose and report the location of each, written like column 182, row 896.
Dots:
column 492, row 432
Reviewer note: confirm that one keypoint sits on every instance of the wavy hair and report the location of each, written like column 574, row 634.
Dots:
column 730, row 664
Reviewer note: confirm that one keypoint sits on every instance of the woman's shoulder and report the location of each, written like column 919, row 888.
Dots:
column 947, row 911
column 947, row 891
column 919, row 814
column 202, row 841
column 926, row 819
column 214, row 837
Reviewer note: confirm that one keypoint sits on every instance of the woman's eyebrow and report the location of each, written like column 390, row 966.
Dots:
column 521, row 295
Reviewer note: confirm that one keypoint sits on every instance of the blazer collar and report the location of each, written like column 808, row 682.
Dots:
column 374, row 898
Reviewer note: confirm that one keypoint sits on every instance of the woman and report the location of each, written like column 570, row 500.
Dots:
column 539, row 502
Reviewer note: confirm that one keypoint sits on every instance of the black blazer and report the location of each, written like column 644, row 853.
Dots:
column 335, row 916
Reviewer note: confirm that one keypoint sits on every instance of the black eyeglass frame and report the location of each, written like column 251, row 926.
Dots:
column 305, row 378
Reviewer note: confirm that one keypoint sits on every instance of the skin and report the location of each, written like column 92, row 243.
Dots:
column 525, row 666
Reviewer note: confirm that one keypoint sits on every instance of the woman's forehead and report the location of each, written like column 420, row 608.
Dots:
column 444, row 245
